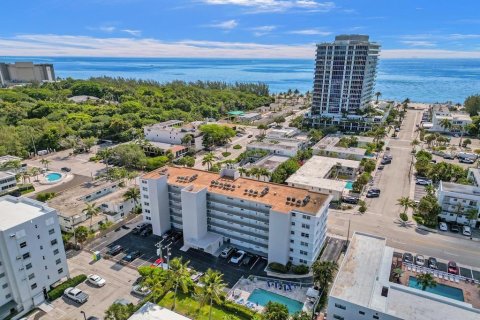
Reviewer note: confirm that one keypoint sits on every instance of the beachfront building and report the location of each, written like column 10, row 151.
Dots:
column 458, row 201
column 279, row 222
column 329, row 176
column 108, row 196
column 362, row 289
column 24, row 72
column 458, row 121
column 173, row 132
column 345, row 72
column 331, row 146
column 32, row 256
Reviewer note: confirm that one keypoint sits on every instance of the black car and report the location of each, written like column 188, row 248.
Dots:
column 139, row 228
column 373, row 195
column 125, row 227
column 167, row 234
column 432, row 263
column 374, row 190
column 132, row 255
column 407, row 257
column 115, row 250
column 66, row 169
column 386, row 161
column 177, row 235
column 351, row 200
column 455, row 228
column 381, row 167
column 146, row 232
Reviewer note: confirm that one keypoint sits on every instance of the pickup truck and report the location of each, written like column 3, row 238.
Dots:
column 76, row 295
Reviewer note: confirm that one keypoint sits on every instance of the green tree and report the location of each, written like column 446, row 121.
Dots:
column 181, row 277
column 301, row 316
column 324, row 272
column 119, row 311
column 81, row 234
column 129, row 155
column 378, row 94
column 279, row 119
column 157, row 280
column 212, row 289
column 315, row 135
column 425, row 281
column 208, row 160
column 45, row 162
column 275, row 311
column 263, row 128
column 406, row 203
column 91, row 210
column 472, row 105
column 446, row 124
column 132, row 194
column 466, row 142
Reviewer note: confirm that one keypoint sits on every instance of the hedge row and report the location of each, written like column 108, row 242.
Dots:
column 238, row 310
column 57, row 292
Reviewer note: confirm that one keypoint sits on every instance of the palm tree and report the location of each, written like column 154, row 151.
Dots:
column 242, row 171
column 35, row 172
column 406, row 203
column 446, row 124
column 472, row 215
column 430, row 189
column 426, row 280
column 397, row 273
column 91, row 210
column 180, row 275
column 187, row 140
column 119, row 311
column 212, row 289
column 378, row 94
column 208, row 160
column 132, row 194
column 264, row 172
column 45, row 162
column 324, row 272
column 158, row 281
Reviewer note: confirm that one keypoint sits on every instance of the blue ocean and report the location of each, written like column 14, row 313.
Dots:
column 421, row 80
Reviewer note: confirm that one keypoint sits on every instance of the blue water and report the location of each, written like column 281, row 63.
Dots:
column 349, row 185
column 262, row 297
column 440, row 289
column 52, row 177
column 422, row 80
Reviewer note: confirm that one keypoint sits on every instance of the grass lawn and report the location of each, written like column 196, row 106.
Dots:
column 189, row 307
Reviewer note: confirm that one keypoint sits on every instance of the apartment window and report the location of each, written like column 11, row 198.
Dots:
column 60, row 270
column 145, row 196
column 292, row 241
column 336, row 316
column 361, row 312
column 26, row 255
column 8, row 296
column 33, row 286
column 305, row 235
column 294, row 214
column 303, row 252
column 306, row 217
column 41, row 247
column 2, row 274
column 291, row 250
column 46, row 268
column 58, row 261
column 31, row 276
column 148, row 218
column 146, row 203
column 144, row 188
column 54, row 242
column 292, row 232
column 147, row 211
column 305, row 244
column 5, row 285
column 305, row 226
column 339, row 306
column 28, row 266
column 144, row 181
column 293, row 223
column 375, row 317
column 23, row 244
column 51, row 231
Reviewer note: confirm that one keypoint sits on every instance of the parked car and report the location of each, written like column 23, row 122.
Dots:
column 432, row 263
column 423, row 182
column 397, row 129
column 387, row 157
column 157, row 263
column 351, row 200
column 76, row 295
column 66, row 169
column 96, row 280
column 146, row 232
column 385, row 161
column 466, row 231
column 196, row 276
column 387, row 148
column 420, row 260
column 452, row 267
column 374, row 190
column 125, row 227
column 443, row 226
column 139, row 228
column 454, row 228
column 407, row 257
column 177, row 235
column 132, row 255
column 237, row 257
column 167, row 234
column 448, row 156
column 250, row 135
column 372, row 195
column 115, row 250
column 248, row 260
column 227, row 252
column 381, row 167
column 93, row 318
column 466, row 160
column 141, row 290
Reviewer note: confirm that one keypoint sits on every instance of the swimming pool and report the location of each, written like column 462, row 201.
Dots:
column 53, row 176
column 440, row 289
column 349, row 185
column 262, row 297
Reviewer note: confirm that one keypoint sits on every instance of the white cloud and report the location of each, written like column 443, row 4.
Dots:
column 262, row 30
column 419, row 43
column 135, row 33
column 459, row 36
column 311, row 32
column 258, row 6
column 427, row 54
column 108, row 29
column 225, row 25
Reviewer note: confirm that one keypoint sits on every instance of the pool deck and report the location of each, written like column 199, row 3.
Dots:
column 244, row 287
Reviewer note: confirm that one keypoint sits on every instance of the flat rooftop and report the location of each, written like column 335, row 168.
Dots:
column 151, row 311
column 276, row 196
column 460, row 188
column 4, row 174
column 270, row 162
column 15, row 211
column 315, row 171
column 277, row 143
column 9, row 158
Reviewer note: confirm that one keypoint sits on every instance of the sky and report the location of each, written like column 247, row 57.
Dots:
column 236, row 28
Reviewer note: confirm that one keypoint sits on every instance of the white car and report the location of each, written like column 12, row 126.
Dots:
column 141, row 290
column 419, row 260
column 237, row 257
column 76, row 295
column 423, row 182
column 443, row 226
column 467, row 231
column 96, row 280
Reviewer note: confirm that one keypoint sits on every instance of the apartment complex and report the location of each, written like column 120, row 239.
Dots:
column 173, row 132
column 330, row 146
column 362, row 289
column 7, row 181
column 460, row 203
column 279, row 222
column 32, row 256
column 458, row 121
column 345, row 72
column 325, row 175
column 22, row 72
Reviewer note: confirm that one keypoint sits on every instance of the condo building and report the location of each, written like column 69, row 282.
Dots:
column 345, row 72
column 22, row 72
column 279, row 222
column 32, row 256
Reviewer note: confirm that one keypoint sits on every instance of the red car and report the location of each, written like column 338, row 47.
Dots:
column 452, row 267
column 157, row 263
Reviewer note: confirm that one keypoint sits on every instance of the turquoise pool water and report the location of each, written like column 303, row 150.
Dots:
column 53, row 176
column 440, row 289
column 349, row 185
column 262, row 297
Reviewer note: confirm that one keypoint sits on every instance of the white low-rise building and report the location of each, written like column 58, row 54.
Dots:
column 458, row 120
column 282, row 133
column 151, row 311
column 270, row 162
column 249, row 117
column 32, row 256
column 174, row 131
column 458, row 201
column 329, row 147
column 362, row 289
column 7, row 181
column 279, row 146
column 329, row 176
column 279, row 222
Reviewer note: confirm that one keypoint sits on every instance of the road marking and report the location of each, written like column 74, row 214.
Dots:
column 452, row 254
column 398, row 241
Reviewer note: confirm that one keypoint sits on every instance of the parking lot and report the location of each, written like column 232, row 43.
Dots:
column 199, row 260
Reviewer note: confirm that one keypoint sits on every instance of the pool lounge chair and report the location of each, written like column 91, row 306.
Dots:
column 457, row 280
column 409, row 268
column 435, row 274
column 240, row 301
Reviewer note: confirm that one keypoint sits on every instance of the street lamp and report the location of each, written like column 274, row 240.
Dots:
column 84, row 316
